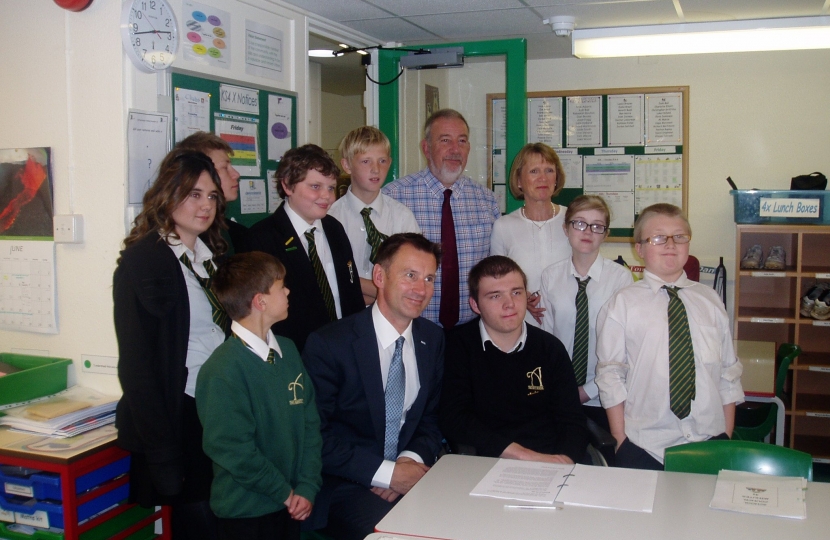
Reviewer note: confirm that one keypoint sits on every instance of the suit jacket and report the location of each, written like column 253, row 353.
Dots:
column 306, row 308
column 342, row 360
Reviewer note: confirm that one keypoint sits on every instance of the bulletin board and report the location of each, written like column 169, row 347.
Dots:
column 628, row 145
column 258, row 123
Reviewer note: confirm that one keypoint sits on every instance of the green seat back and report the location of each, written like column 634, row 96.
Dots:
column 709, row 457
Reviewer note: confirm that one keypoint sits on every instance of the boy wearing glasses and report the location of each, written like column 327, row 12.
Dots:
column 574, row 289
column 667, row 372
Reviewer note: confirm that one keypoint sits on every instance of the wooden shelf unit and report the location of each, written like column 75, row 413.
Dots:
column 767, row 308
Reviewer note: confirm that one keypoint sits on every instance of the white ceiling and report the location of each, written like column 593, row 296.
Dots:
column 410, row 22
column 414, row 22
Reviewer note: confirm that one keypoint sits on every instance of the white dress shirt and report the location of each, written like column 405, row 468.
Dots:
column 559, row 289
column 255, row 343
column 386, row 337
column 389, row 216
column 323, row 250
column 485, row 337
column 532, row 244
column 205, row 335
column 633, row 367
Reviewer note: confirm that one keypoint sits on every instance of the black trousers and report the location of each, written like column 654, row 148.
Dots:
column 273, row 526
column 354, row 512
column 631, row 456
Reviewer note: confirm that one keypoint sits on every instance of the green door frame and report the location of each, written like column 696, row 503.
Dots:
column 515, row 53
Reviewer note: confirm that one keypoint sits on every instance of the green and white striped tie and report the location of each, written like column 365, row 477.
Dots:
column 580, row 353
column 373, row 236
column 220, row 317
column 320, row 274
column 681, row 357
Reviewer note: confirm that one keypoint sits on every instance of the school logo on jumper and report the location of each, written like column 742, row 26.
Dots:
column 535, row 385
column 292, row 386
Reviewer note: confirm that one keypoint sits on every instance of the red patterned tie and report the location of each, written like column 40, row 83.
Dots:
column 448, row 311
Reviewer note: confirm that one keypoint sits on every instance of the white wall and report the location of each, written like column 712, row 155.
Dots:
column 338, row 116
column 760, row 118
column 68, row 85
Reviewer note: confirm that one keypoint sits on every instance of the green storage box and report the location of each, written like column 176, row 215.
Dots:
column 41, row 376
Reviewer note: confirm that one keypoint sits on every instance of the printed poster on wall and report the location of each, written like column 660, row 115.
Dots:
column 206, row 32
column 263, row 50
column 27, row 286
column 279, row 126
column 664, row 119
column 191, row 112
column 148, row 141
column 544, row 121
column 240, row 132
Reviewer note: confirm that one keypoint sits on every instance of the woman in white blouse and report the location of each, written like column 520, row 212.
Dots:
column 533, row 235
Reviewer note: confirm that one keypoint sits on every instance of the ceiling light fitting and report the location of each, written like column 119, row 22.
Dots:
column 731, row 36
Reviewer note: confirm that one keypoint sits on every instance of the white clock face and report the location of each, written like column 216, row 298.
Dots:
column 150, row 34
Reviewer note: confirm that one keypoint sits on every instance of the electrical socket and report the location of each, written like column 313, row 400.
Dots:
column 69, row 229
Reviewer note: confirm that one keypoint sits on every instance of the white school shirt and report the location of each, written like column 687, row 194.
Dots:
column 386, row 337
column 323, row 250
column 204, row 335
column 559, row 288
column 255, row 343
column 633, row 366
column 389, row 216
column 533, row 248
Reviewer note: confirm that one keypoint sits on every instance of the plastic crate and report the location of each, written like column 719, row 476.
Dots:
column 45, row 485
column 103, row 531
column 50, row 514
column 781, row 206
column 41, row 376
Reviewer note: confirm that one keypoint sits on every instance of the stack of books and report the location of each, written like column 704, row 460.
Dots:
column 65, row 414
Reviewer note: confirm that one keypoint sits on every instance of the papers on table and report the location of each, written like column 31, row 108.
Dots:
column 66, row 414
column 750, row 493
column 577, row 485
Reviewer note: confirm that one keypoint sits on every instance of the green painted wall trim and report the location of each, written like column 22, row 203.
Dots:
column 515, row 52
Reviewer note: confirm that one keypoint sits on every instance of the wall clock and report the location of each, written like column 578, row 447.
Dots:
column 150, row 34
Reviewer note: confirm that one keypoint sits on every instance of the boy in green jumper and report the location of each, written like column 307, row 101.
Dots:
column 257, row 407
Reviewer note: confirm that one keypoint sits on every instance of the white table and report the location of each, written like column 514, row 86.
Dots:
column 439, row 506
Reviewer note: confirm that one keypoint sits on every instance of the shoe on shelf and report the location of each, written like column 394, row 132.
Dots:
column 821, row 307
column 808, row 301
column 777, row 259
column 753, row 257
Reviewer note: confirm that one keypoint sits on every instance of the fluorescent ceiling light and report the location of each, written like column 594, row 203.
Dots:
column 321, row 53
column 731, row 36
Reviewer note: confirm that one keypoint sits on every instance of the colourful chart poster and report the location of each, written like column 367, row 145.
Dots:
column 206, row 32
column 241, row 133
column 279, row 126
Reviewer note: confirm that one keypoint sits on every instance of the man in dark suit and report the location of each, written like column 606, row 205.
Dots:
column 377, row 375
column 320, row 269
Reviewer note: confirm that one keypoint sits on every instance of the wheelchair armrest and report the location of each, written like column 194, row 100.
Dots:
column 603, row 441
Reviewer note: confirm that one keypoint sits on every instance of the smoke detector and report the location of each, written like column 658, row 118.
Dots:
column 562, row 25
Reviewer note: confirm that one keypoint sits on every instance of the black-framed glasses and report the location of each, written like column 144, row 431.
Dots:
column 660, row 239
column 596, row 228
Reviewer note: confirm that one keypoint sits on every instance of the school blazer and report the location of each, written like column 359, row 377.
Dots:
column 306, row 309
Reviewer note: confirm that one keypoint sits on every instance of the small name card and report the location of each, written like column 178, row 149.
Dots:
column 795, row 208
column 767, row 274
column 820, row 369
column 766, row 320
column 819, row 414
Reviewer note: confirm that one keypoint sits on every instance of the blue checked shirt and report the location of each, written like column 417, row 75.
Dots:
column 474, row 210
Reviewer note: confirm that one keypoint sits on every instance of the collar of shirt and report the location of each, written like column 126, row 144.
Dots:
column 197, row 257
column 254, row 343
column 357, row 205
column 437, row 188
column 594, row 272
column 386, row 333
column 655, row 283
column 301, row 226
column 485, row 337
